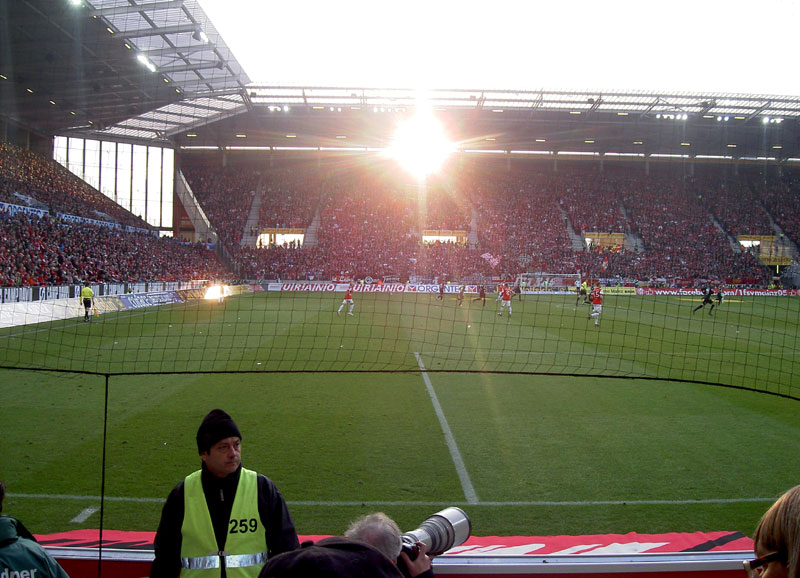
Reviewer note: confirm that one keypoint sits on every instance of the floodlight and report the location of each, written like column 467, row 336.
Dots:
column 200, row 36
column 146, row 62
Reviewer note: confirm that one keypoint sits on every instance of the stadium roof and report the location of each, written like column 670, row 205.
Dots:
column 125, row 69
column 158, row 71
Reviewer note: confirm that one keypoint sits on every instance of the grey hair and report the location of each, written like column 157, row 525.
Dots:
column 379, row 531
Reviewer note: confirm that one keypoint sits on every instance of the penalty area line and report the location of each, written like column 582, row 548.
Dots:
column 466, row 483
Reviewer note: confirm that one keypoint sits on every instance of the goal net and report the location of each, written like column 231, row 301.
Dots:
column 549, row 282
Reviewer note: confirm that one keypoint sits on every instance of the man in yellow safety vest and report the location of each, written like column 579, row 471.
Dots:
column 222, row 521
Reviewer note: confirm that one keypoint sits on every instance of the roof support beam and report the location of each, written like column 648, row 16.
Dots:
column 219, row 64
column 758, row 111
column 176, row 50
column 142, row 32
column 150, row 7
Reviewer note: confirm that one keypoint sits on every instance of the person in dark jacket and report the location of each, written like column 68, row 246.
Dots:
column 222, row 521
column 20, row 554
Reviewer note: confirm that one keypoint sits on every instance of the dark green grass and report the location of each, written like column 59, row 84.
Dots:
column 546, row 454
column 749, row 342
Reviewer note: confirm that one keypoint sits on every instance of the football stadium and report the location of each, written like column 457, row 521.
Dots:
column 558, row 329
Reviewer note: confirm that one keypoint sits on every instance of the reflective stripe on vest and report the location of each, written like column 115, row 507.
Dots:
column 231, row 561
column 245, row 544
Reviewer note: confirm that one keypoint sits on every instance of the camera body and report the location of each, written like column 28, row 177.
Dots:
column 439, row 532
column 409, row 547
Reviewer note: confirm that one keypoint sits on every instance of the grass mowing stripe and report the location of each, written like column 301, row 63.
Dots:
column 463, row 475
column 431, row 503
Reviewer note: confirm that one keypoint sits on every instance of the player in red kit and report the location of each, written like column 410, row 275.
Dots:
column 596, row 297
column 505, row 299
column 348, row 299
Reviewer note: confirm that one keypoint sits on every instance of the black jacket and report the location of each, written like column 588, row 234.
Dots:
column 219, row 492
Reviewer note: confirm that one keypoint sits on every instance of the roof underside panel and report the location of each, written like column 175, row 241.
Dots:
column 84, row 69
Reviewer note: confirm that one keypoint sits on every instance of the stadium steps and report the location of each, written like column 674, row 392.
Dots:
column 786, row 246
column 633, row 242
column 472, row 236
column 202, row 226
column 249, row 239
column 731, row 239
column 312, row 232
column 575, row 239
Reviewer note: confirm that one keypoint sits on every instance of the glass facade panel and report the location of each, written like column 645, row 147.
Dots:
column 153, row 215
column 124, row 172
column 108, row 169
column 75, row 158
column 167, row 187
column 139, row 189
column 91, row 167
column 60, row 150
column 138, row 178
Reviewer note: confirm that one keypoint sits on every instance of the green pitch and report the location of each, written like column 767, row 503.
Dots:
column 537, row 424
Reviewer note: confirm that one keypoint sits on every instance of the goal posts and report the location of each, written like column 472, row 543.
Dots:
column 547, row 282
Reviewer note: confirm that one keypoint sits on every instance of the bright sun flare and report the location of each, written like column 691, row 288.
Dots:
column 420, row 145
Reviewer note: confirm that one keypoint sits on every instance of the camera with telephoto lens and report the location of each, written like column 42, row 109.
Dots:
column 439, row 532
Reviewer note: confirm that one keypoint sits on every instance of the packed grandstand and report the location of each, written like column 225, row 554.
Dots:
column 677, row 230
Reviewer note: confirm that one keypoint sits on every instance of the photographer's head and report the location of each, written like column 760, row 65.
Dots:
column 379, row 531
column 777, row 539
column 382, row 533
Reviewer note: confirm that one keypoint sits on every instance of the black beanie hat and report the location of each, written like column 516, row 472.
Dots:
column 217, row 425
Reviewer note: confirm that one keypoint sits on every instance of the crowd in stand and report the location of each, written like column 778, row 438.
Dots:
column 369, row 223
column 45, row 251
column 289, row 198
column 368, row 228
column 781, row 198
column 49, row 250
column 226, row 196
column 43, row 183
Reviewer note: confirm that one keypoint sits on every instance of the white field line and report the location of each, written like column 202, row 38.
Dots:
column 466, row 483
column 621, row 355
column 335, row 503
column 83, row 516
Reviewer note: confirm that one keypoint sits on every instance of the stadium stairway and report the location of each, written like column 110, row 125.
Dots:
column 312, row 231
column 786, row 246
column 200, row 222
column 249, row 238
column 576, row 240
column 731, row 240
column 472, row 236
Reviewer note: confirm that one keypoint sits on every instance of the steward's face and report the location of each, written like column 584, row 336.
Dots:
column 224, row 457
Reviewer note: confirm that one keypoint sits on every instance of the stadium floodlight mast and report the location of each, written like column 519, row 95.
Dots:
column 419, row 144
